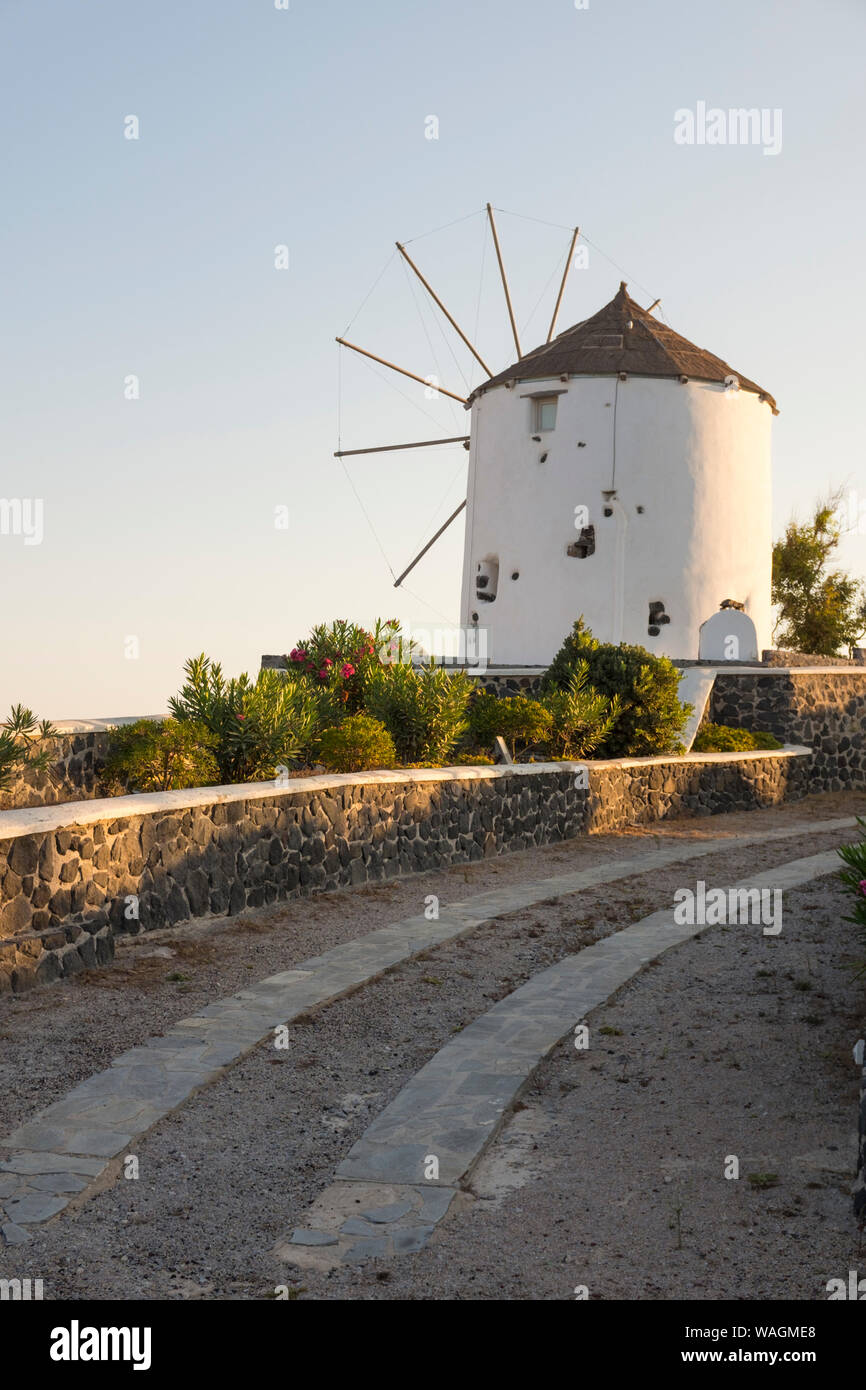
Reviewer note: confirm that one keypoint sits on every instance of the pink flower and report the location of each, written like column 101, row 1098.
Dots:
column 863, row 886
column 242, row 717
column 323, row 675
column 347, row 671
column 297, row 654
column 327, row 661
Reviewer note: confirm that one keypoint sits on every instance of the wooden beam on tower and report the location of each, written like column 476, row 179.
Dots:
column 403, row 371
column 417, row 444
column 434, row 296
column 504, row 279
column 562, row 286
column 432, row 541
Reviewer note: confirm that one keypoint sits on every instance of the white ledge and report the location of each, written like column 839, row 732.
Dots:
column 31, row 820
column 100, row 726
column 786, row 670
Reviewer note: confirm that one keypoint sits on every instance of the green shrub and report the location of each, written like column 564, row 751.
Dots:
column 721, row 738
column 255, row 727
column 854, row 876
column 423, row 709
column 520, row 721
column 19, row 735
column 158, row 755
column 650, row 716
column 466, row 758
column 357, row 744
column 581, row 718
column 763, row 739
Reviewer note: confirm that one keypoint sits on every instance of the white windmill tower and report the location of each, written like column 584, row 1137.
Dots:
column 621, row 473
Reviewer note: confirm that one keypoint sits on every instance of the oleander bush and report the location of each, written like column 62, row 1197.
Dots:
column 338, row 657
column 255, row 728
column 581, row 717
column 356, row 745
column 424, row 709
column 158, row 755
column 722, row 738
column 650, row 716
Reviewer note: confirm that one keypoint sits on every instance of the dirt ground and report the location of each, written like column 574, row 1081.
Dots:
column 54, row 1037
column 609, row 1173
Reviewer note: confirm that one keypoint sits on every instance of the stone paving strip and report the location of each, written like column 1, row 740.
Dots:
column 401, row 1177
column 64, row 1149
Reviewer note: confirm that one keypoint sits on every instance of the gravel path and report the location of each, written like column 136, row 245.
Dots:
column 205, row 1213
column 55, row 1037
column 610, row 1175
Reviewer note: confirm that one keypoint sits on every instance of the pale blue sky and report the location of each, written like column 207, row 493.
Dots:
column 261, row 127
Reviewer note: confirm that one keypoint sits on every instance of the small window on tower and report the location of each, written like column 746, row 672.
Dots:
column 544, row 413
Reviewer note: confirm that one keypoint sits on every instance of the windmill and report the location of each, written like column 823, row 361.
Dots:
column 617, row 471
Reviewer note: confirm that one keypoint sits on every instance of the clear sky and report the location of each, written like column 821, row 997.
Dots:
column 307, row 128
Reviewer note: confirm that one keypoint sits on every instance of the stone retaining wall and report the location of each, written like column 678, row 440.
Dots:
column 641, row 791
column 778, row 657
column 507, row 683
column 77, row 760
column 72, row 877
column 826, row 710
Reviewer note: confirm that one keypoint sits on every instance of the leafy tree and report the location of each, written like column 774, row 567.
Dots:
column 820, row 609
column 19, row 736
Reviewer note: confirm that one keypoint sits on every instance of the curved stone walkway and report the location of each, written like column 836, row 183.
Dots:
column 402, row 1176
column 60, row 1153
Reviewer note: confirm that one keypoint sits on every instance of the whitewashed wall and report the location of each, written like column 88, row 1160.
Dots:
column 694, row 456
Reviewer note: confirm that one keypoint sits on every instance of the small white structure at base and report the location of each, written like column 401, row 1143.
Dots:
column 728, row 635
